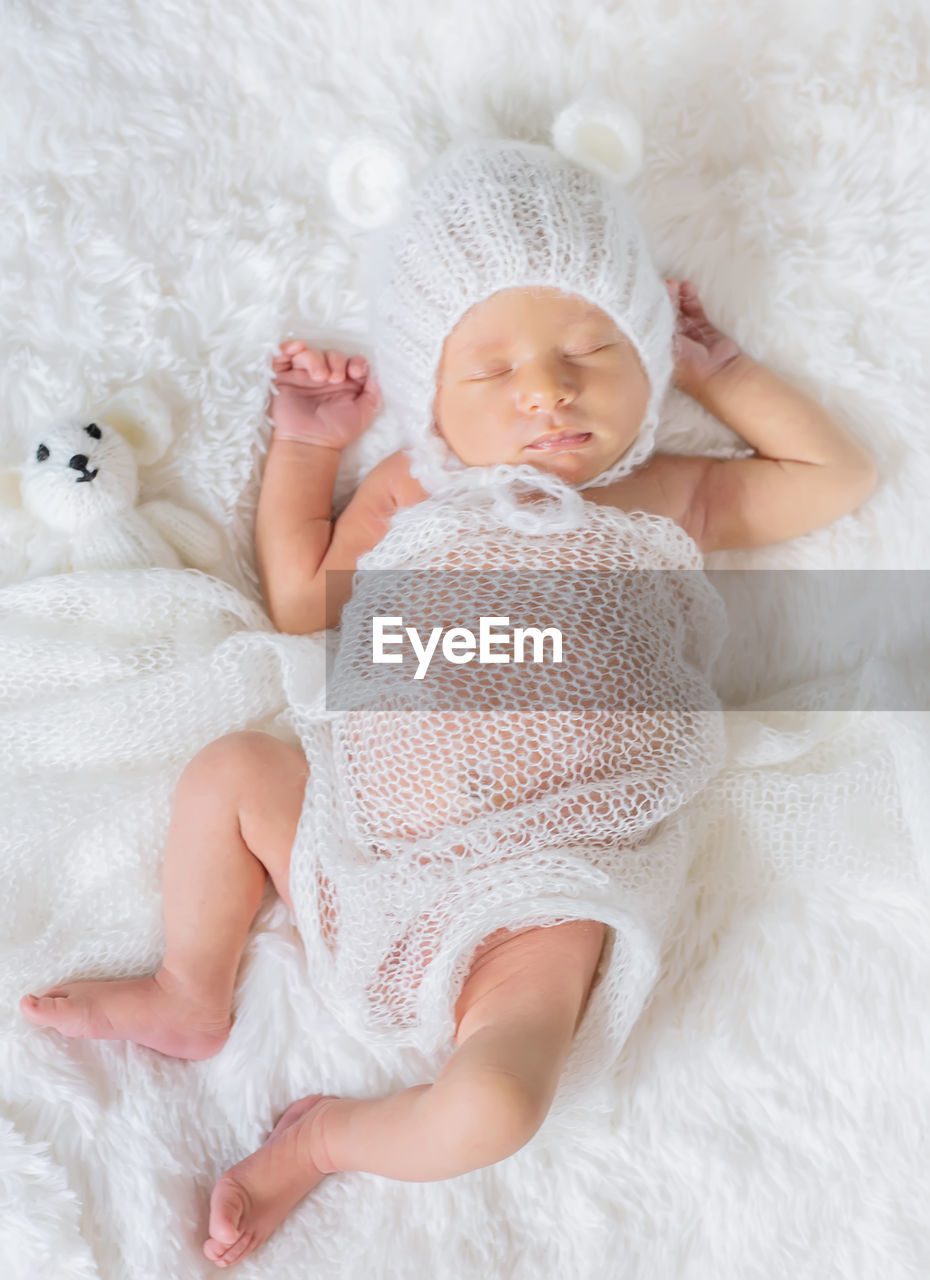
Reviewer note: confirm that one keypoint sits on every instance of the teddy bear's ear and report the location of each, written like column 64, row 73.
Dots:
column 12, row 521
column 600, row 134
column 368, row 179
column 10, row 492
column 142, row 419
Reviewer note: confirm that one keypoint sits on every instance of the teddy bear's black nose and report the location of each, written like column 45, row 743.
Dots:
column 79, row 461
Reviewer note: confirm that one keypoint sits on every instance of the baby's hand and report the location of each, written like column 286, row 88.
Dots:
column 322, row 397
column 700, row 350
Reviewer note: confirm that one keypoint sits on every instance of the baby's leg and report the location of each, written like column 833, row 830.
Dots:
column 517, row 1014
column 234, row 818
column 519, row 1009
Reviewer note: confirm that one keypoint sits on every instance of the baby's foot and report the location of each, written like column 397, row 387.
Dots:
column 257, row 1194
column 159, row 1012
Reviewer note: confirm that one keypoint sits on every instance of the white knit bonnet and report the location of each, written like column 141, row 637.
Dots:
column 488, row 215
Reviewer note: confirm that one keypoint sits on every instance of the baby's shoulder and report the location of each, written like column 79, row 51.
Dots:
column 665, row 485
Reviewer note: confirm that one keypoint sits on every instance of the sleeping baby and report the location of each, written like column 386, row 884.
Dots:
column 492, row 878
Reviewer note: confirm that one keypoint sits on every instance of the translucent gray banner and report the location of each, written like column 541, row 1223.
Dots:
column 659, row 641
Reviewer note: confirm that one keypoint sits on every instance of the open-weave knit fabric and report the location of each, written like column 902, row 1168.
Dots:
column 490, row 215
column 508, row 795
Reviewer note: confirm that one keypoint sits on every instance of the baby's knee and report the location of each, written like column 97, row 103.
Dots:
column 240, row 762
column 490, row 1115
column 235, row 753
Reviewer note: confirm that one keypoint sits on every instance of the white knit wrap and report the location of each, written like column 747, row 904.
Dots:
column 493, row 215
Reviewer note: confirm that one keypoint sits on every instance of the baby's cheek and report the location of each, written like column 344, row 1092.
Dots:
column 473, row 429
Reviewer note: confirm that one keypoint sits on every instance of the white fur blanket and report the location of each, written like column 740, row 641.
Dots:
column 164, row 220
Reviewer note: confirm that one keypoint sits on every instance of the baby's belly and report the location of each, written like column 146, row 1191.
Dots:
column 596, row 737
column 408, row 776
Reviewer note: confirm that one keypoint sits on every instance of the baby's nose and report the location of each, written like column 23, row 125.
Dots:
column 542, row 393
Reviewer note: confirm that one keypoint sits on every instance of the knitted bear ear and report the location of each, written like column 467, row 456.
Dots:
column 142, row 419
column 368, row 181
column 601, row 135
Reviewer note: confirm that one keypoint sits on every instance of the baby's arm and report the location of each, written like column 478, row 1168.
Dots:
column 323, row 402
column 808, row 472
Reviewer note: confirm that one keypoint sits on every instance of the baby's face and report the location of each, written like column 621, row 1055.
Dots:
column 541, row 377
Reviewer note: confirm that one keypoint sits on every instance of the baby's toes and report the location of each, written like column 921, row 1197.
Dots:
column 246, row 1244
column 54, row 1011
column 227, row 1210
column 213, row 1250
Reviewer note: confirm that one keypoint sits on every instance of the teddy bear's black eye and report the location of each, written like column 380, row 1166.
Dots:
column 41, row 453
column 93, row 430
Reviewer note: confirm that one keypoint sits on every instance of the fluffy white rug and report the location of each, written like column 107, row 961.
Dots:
column 164, row 219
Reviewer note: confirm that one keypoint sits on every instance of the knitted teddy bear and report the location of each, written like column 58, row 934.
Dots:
column 79, row 491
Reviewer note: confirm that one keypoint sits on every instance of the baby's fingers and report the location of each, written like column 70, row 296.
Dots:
column 313, row 361
column 371, row 394
column 683, row 293
column 689, row 297
column 337, row 365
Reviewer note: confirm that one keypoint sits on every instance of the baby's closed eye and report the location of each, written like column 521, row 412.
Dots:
column 591, row 351
column 481, row 375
